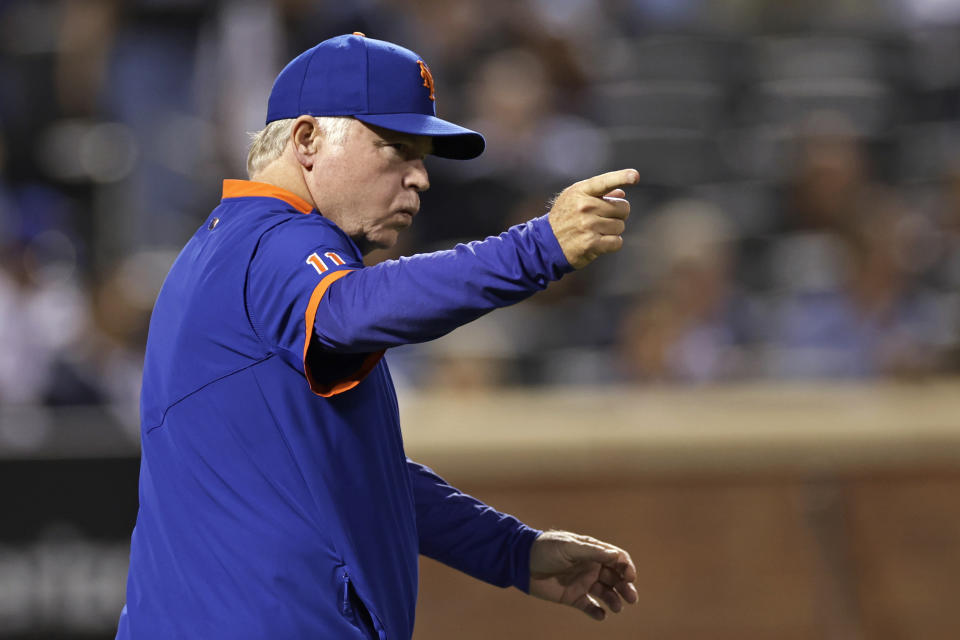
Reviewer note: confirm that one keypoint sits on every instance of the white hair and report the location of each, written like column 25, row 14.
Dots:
column 267, row 144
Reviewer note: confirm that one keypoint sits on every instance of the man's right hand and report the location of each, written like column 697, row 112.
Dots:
column 588, row 216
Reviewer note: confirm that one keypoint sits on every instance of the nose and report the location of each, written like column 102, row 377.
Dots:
column 416, row 177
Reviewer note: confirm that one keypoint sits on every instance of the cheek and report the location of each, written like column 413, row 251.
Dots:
column 369, row 185
column 379, row 202
column 362, row 190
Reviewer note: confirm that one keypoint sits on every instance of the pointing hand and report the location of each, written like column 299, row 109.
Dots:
column 588, row 216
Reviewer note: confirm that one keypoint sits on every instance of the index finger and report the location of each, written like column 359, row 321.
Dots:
column 625, row 567
column 604, row 183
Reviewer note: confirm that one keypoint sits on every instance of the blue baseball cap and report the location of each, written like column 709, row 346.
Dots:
column 374, row 81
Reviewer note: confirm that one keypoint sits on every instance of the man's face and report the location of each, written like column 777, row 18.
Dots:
column 369, row 185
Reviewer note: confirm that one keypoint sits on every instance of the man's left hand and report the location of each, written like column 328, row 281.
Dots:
column 582, row 572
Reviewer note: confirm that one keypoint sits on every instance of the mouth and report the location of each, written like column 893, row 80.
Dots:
column 407, row 215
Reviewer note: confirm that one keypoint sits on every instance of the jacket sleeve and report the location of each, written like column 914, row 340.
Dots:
column 293, row 265
column 468, row 535
column 425, row 296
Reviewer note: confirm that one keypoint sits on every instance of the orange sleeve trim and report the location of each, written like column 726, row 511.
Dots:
column 250, row 189
column 351, row 380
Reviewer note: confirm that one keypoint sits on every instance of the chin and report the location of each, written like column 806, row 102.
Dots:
column 382, row 241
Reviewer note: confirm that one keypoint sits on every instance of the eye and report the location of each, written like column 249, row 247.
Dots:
column 404, row 149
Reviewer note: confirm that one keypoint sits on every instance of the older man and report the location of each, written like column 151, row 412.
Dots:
column 276, row 500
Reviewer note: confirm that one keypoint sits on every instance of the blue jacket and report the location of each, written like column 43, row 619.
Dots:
column 276, row 500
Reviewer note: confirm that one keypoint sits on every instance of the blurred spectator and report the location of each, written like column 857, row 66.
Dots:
column 851, row 307
column 43, row 314
column 529, row 139
column 86, row 32
column 830, row 181
column 692, row 326
column 848, row 302
column 948, row 233
column 947, row 268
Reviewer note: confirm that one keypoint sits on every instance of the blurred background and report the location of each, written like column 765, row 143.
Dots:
column 757, row 396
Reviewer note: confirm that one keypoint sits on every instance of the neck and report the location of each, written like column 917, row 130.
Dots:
column 285, row 176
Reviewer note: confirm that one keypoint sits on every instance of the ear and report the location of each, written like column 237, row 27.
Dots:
column 306, row 139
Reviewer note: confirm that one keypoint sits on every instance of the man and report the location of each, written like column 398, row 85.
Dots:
column 275, row 497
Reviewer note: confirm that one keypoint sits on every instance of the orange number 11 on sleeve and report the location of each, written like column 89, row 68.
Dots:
column 317, row 263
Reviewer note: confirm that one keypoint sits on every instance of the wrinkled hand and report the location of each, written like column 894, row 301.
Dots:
column 582, row 572
column 588, row 216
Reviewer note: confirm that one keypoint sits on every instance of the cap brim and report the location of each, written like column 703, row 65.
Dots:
column 449, row 140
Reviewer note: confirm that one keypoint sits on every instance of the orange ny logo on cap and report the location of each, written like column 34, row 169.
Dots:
column 427, row 77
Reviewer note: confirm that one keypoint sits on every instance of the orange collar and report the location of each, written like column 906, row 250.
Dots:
column 248, row 189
